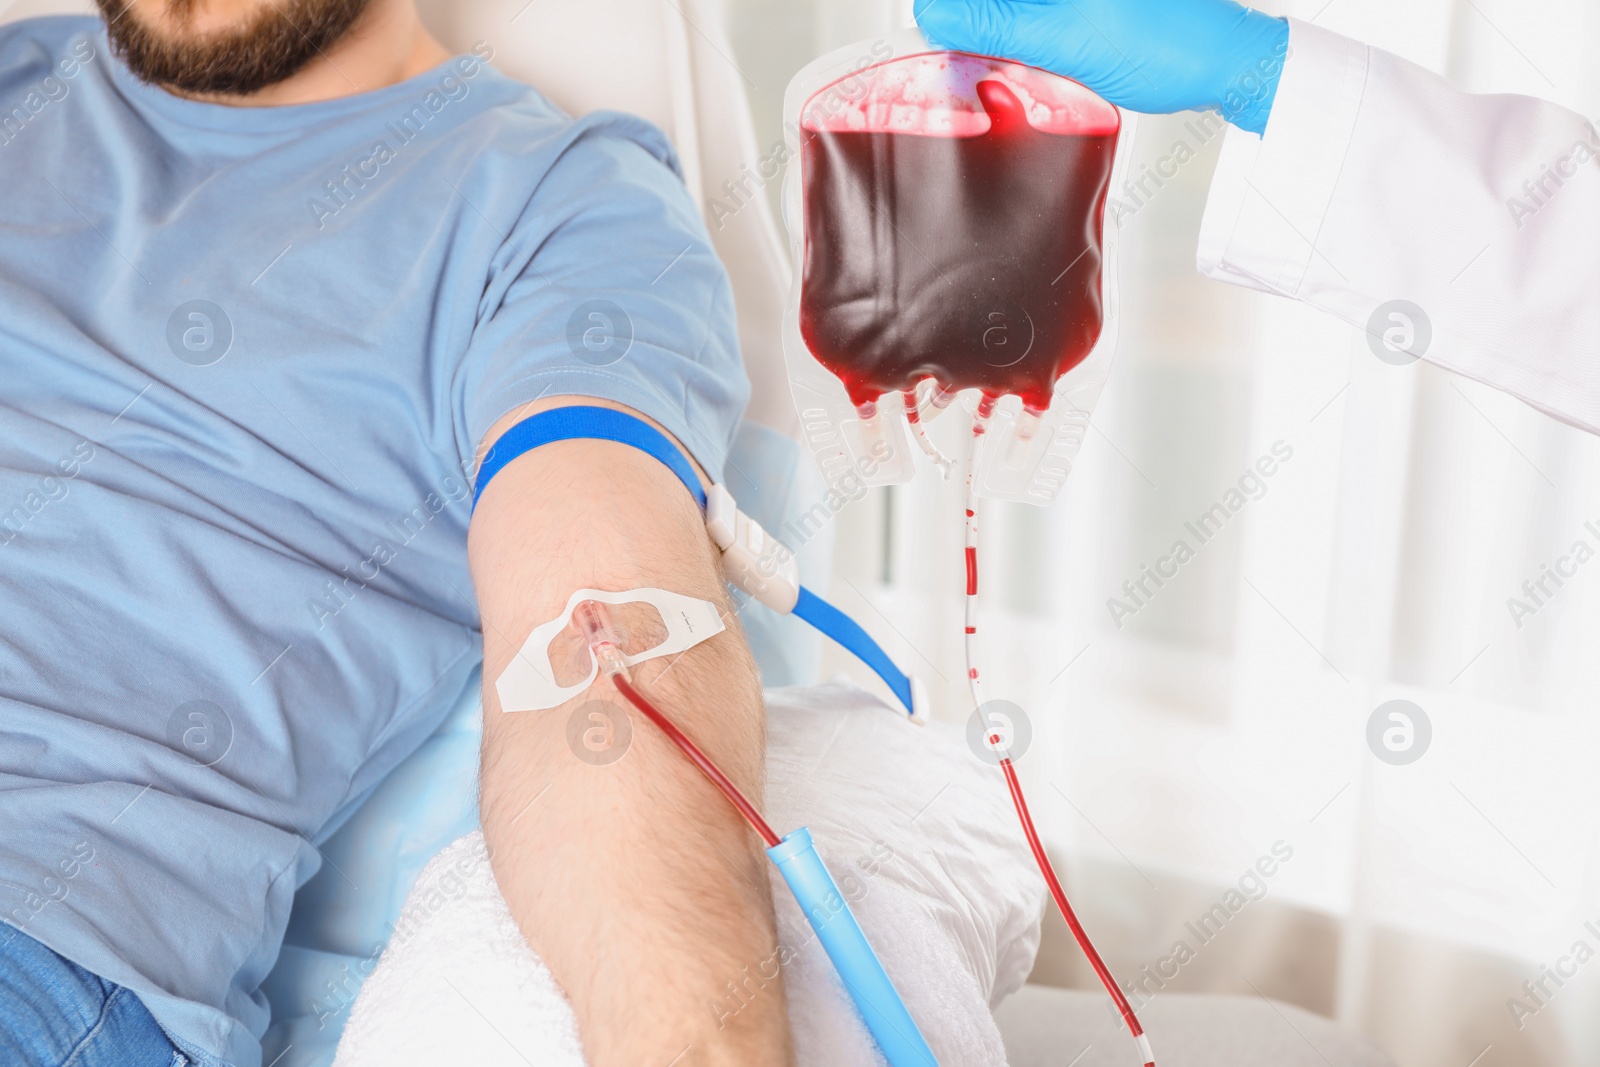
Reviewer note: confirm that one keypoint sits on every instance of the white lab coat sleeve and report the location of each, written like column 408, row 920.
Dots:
column 1377, row 181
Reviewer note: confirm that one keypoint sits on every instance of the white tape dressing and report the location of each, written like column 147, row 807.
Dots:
column 529, row 681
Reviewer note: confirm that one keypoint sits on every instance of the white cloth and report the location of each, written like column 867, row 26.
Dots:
column 1378, row 181
column 917, row 831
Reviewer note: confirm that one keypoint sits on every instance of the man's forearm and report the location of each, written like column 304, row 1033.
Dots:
column 634, row 880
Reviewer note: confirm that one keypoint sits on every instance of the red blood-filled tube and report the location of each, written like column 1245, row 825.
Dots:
column 602, row 638
column 979, row 426
column 709, row 769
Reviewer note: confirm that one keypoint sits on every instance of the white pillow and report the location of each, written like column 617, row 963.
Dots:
column 918, row 832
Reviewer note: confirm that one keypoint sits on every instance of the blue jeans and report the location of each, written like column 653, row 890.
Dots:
column 54, row 1013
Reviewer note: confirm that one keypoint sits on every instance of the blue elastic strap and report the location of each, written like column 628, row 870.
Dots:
column 845, row 630
column 605, row 424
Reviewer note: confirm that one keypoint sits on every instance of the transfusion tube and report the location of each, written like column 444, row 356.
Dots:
column 980, row 425
column 872, row 436
column 940, row 397
column 814, row 889
column 1027, row 425
column 920, row 432
column 595, row 621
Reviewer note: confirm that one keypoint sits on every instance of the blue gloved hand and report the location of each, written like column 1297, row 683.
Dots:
column 1145, row 55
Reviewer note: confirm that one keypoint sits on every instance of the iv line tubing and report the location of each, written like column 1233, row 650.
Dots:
column 980, row 425
column 820, row 899
column 690, row 749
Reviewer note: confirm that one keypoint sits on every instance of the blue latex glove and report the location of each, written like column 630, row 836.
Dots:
column 1145, row 55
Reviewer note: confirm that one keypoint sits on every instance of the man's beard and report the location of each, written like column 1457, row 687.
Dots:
column 276, row 43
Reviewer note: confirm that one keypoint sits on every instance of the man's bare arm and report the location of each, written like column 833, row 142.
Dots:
column 635, row 881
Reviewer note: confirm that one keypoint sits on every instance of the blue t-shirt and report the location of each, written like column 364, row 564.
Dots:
column 246, row 358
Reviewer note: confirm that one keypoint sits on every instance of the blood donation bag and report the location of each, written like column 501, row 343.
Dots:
column 946, row 215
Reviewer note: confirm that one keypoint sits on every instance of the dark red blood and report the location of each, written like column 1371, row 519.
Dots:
column 975, row 260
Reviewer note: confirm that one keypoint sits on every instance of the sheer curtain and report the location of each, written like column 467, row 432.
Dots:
column 1218, row 723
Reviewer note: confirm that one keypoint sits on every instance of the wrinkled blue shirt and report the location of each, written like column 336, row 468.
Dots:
column 246, row 357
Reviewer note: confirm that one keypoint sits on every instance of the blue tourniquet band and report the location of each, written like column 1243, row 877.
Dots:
column 603, row 424
column 845, row 630
column 606, row 424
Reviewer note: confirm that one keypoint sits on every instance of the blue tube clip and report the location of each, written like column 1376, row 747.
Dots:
column 829, row 913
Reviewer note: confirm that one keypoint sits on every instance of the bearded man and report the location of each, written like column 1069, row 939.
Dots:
column 274, row 274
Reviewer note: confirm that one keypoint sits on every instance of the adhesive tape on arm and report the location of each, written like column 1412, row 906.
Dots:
column 529, row 681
